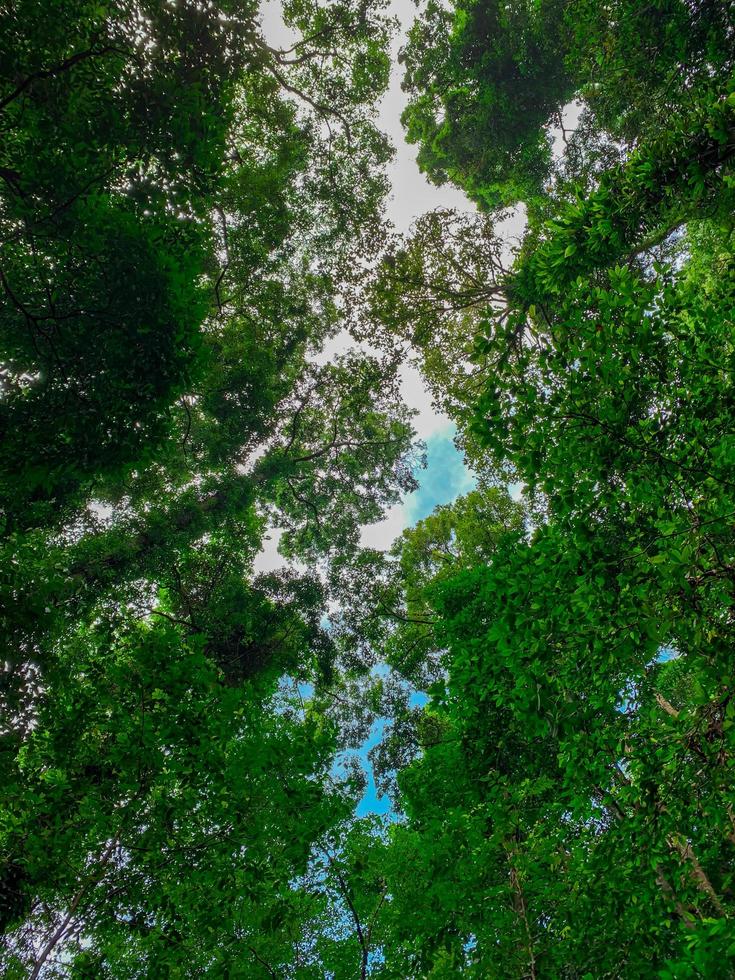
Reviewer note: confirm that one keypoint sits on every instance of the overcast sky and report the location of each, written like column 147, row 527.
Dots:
column 412, row 195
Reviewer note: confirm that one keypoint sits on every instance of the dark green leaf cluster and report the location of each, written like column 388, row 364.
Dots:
column 182, row 208
column 542, row 669
column 488, row 82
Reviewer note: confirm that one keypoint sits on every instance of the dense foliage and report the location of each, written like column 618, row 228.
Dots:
column 187, row 215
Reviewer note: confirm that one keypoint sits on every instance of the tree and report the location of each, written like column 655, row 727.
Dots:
column 173, row 271
column 158, row 814
column 566, row 806
column 551, row 675
column 487, row 82
column 483, row 80
column 114, row 181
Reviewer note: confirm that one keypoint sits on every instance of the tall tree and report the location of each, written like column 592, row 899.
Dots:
column 183, row 205
column 567, row 809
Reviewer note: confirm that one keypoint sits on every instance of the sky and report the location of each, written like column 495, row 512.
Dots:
column 445, row 476
column 412, row 195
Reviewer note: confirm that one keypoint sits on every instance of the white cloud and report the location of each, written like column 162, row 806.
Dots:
column 268, row 559
column 383, row 534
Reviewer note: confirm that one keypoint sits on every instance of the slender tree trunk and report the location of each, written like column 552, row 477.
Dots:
column 519, row 905
column 60, row 932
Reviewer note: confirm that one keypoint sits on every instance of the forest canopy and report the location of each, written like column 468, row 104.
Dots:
column 190, row 214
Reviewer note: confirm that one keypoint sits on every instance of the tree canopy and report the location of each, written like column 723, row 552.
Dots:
column 540, row 672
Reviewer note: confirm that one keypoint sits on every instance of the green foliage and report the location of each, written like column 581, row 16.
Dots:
column 187, row 215
column 489, row 81
column 143, row 792
column 566, row 794
column 182, row 207
column 484, row 78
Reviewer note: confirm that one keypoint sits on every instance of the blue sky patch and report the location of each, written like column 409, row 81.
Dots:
column 445, row 478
